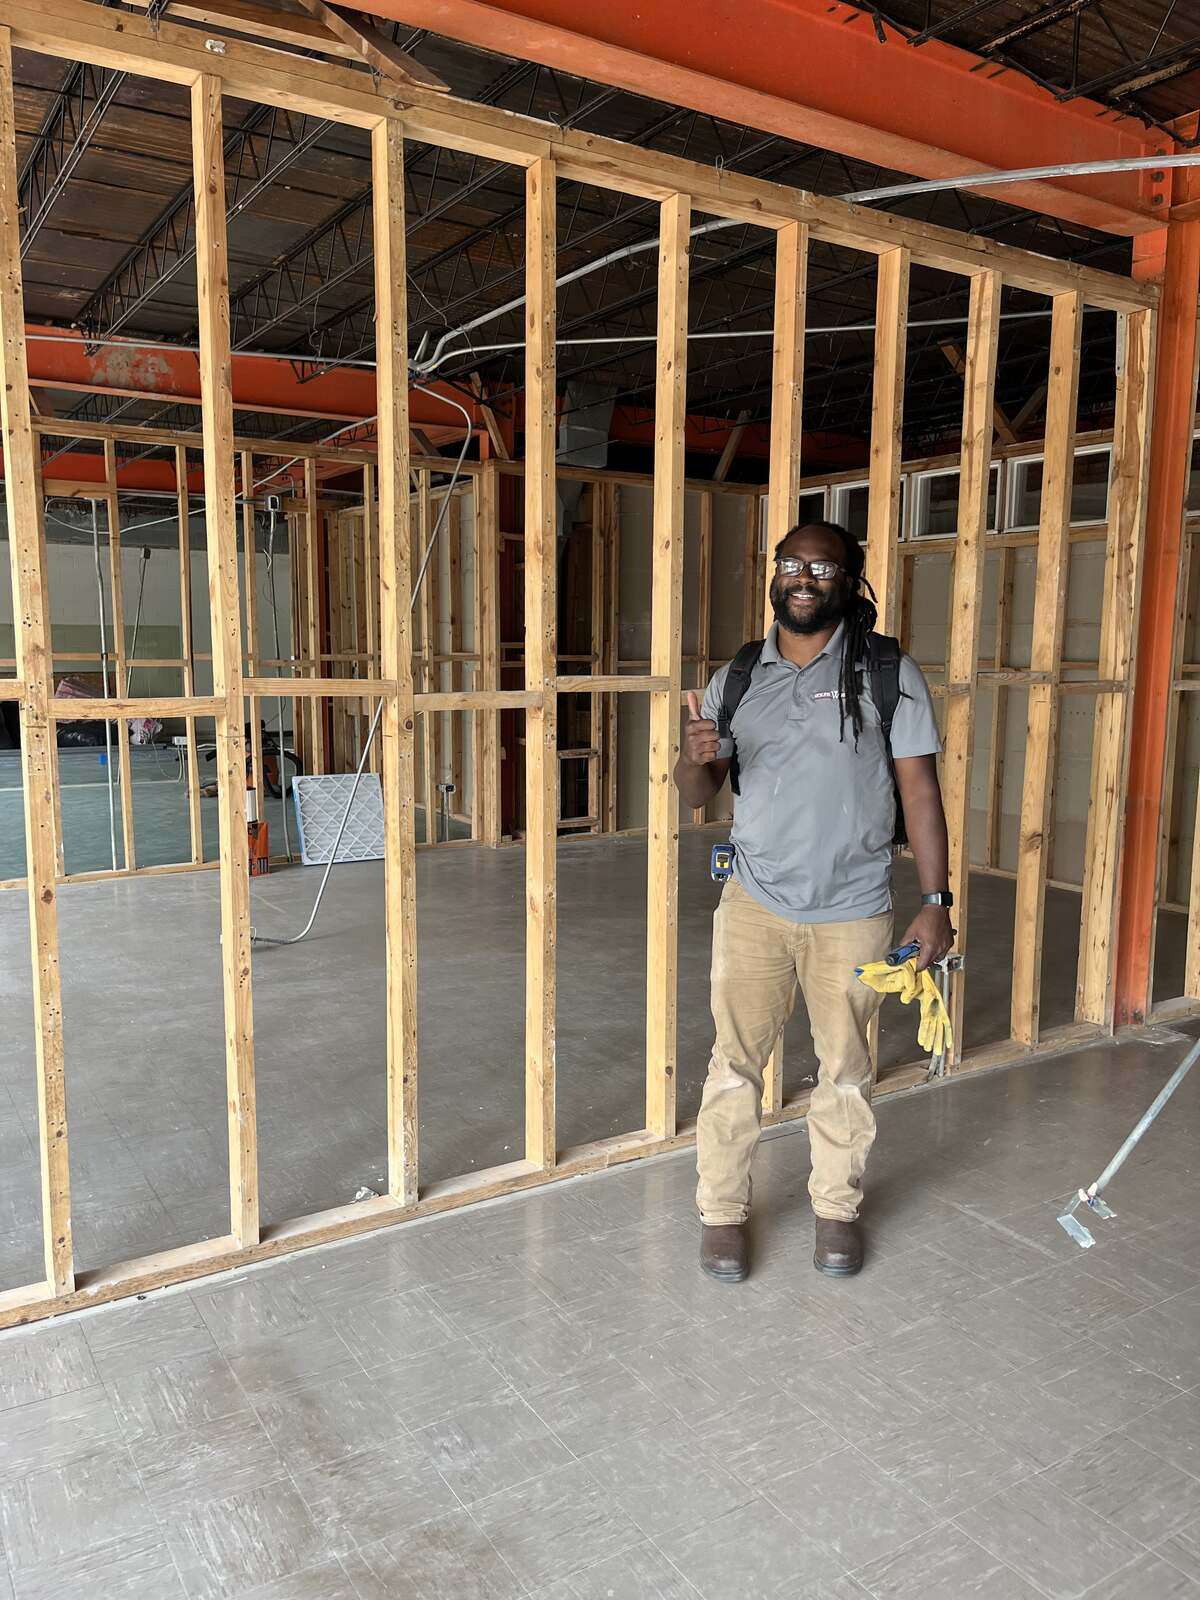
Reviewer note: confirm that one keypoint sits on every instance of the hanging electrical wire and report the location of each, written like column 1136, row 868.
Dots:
column 258, row 938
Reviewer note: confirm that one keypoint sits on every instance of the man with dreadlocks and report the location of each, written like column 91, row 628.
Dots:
column 810, row 898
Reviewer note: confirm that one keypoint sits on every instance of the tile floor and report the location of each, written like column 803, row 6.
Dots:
column 543, row 1398
column 145, row 1050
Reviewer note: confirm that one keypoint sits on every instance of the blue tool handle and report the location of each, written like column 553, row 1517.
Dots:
column 897, row 958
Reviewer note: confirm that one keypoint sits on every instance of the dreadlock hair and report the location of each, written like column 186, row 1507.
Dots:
column 858, row 621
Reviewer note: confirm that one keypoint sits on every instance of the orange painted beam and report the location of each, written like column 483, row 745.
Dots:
column 61, row 359
column 707, row 436
column 816, row 72
column 82, row 466
column 1171, row 257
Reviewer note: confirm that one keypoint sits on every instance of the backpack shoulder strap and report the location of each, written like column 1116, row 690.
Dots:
column 883, row 666
column 737, row 681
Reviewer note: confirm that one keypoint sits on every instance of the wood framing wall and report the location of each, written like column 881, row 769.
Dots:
column 1175, row 959
column 159, row 49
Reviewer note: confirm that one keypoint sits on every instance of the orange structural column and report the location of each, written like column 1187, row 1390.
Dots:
column 1172, row 257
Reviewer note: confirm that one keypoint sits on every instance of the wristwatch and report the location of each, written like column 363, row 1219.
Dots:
column 942, row 897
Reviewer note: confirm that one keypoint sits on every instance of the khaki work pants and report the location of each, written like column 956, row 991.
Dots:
column 757, row 961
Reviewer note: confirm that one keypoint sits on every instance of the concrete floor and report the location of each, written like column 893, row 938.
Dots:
column 160, row 813
column 145, row 1041
column 544, row 1398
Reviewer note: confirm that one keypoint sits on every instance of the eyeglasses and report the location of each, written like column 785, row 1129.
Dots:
column 792, row 567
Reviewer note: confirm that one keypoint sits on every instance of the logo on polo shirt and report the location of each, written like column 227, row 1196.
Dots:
column 828, row 694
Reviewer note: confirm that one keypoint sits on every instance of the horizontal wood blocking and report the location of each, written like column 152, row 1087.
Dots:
column 612, row 684
column 319, row 688
column 478, row 700
column 72, row 710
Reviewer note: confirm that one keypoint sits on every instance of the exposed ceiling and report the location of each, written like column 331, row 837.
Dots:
column 1141, row 57
column 106, row 178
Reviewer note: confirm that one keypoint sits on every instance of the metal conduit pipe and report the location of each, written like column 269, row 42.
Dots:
column 137, row 618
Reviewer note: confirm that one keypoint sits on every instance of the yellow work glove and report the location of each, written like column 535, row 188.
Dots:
column 883, row 979
column 934, row 1032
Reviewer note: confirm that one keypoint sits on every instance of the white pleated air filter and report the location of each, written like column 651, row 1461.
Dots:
column 320, row 805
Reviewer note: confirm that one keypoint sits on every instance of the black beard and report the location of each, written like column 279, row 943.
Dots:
column 830, row 609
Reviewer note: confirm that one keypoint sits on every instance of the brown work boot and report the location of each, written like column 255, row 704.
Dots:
column 725, row 1252
column 839, row 1249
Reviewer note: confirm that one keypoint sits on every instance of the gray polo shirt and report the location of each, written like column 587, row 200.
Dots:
column 813, row 824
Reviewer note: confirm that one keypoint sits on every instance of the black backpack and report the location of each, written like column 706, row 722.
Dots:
column 882, row 665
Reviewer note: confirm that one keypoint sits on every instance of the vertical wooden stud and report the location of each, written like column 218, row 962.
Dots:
column 751, row 606
column 395, row 639
column 187, row 649
column 428, row 720
column 966, row 588
column 666, row 617
column 297, row 566
column 120, row 665
column 595, row 769
column 906, row 583
column 1037, row 797
column 541, row 664
column 487, row 643
column 612, row 644
column 335, row 668
column 312, row 614
column 348, row 635
column 253, row 666
column 454, row 623
column 1110, row 744
column 999, row 717
column 44, row 568
column 431, row 599
column 216, row 393
column 704, row 606
column 32, row 633
column 783, row 487
column 887, row 417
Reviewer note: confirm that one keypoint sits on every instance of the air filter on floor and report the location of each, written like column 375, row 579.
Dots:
column 320, row 805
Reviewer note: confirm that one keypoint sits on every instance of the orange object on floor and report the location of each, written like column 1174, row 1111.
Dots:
column 260, row 849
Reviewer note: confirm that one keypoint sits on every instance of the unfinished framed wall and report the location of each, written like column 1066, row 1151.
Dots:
column 67, row 28
column 1175, row 958
column 323, row 605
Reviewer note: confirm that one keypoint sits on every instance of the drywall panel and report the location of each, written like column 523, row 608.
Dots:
column 729, row 577
column 929, row 576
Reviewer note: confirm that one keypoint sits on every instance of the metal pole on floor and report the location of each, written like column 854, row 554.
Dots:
column 1090, row 1197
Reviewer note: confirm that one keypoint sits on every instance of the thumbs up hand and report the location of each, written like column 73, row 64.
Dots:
column 700, row 739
